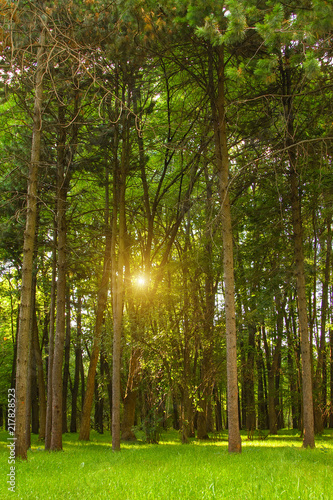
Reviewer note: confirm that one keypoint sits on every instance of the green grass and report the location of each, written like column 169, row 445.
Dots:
column 276, row 468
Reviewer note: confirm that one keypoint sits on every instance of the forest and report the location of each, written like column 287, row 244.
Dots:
column 166, row 221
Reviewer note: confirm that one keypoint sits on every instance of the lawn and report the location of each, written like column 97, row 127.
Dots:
column 274, row 468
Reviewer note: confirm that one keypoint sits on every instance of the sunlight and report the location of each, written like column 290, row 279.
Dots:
column 140, row 280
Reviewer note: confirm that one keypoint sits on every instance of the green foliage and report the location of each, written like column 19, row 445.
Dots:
column 271, row 28
column 311, row 66
column 266, row 70
column 211, row 31
column 236, row 22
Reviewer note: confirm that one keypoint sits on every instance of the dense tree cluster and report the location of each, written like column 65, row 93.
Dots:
column 166, row 217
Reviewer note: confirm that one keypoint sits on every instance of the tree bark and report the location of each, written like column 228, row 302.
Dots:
column 101, row 305
column 41, row 381
column 222, row 164
column 308, row 418
column 28, row 252
column 48, row 424
column 99, row 402
column 130, row 396
column 292, row 377
column 117, row 299
column 78, row 355
column 272, row 361
column 262, row 399
column 249, row 381
column 62, row 187
column 319, row 383
column 66, row 362
column 331, row 365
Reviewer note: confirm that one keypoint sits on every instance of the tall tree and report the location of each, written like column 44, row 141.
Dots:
column 27, row 265
column 63, row 177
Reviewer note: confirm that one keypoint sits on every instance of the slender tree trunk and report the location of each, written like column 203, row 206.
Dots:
column 202, row 419
column 308, row 418
column 90, row 385
column 118, row 292
column 186, row 383
column 250, row 412
column 331, row 365
column 66, row 363
column 31, row 391
column 319, row 384
column 262, row 400
column 292, row 375
column 222, row 163
column 218, row 409
column 109, row 383
column 28, row 252
column 99, row 401
column 41, row 381
column 48, row 424
column 130, row 396
column 207, row 382
column 273, row 366
column 34, row 396
column 78, row 355
column 59, row 339
column 271, row 369
column 101, row 305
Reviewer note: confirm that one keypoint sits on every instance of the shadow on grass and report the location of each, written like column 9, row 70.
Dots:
column 285, row 439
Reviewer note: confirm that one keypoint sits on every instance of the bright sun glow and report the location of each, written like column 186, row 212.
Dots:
column 140, row 280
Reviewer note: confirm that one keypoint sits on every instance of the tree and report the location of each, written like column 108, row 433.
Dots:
column 27, row 264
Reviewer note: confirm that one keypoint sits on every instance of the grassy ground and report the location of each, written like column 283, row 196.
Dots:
column 275, row 468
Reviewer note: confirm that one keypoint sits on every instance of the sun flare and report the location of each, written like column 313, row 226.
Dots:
column 140, row 280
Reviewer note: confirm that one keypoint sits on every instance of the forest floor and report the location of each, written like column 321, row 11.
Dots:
column 274, row 468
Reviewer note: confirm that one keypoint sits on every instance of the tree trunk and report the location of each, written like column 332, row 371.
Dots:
column 202, row 420
column 175, row 414
column 320, row 384
column 78, row 355
column 101, row 305
column 331, row 365
column 28, row 252
column 90, row 385
column 62, row 187
column 31, row 393
column 218, row 410
column 34, row 390
column 222, row 163
column 99, row 404
column 66, row 363
column 186, row 415
column 186, row 382
column 249, row 382
column 118, row 292
column 48, row 424
column 273, row 365
column 41, row 381
column 293, row 389
column 262, row 400
column 130, row 396
column 308, row 420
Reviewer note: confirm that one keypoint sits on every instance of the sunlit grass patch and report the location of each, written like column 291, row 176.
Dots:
column 274, row 468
